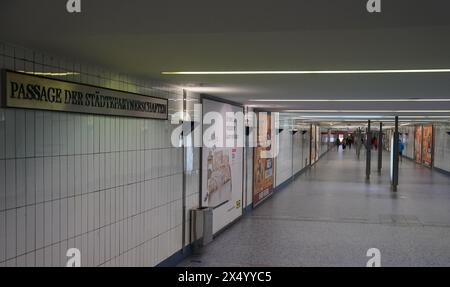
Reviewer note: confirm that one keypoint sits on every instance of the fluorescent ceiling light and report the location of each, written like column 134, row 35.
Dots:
column 400, row 71
column 375, row 117
column 217, row 89
column 342, row 117
column 187, row 100
column 51, row 74
column 350, row 100
column 365, row 122
column 367, row 111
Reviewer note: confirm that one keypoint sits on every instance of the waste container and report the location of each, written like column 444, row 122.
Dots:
column 201, row 226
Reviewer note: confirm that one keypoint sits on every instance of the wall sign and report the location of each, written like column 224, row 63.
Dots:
column 35, row 92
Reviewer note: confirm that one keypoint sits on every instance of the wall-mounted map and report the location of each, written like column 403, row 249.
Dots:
column 218, row 177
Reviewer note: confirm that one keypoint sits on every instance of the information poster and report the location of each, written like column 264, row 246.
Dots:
column 222, row 164
column 263, row 168
column 427, row 145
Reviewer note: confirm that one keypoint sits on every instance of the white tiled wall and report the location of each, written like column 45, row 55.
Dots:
column 306, row 146
column 301, row 148
column 323, row 144
column 193, row 170
column 284, row 159
column 110, row 186
column 297, row 155
column 283, row 163
column 294, row 150
column 408, row 133
column 442, row 146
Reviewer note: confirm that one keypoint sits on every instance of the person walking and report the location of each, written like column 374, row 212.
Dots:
column 337, row 142
column 358, row 144
column 350, row 142
column 401, row 147
column 375, row 143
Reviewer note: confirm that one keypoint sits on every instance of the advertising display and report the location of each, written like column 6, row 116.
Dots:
column 427, row 145
column 263, row 168
column 222, row 165
column 388, row 134
column 418, row 144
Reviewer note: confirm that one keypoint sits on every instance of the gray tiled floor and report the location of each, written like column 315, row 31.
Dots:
column 330, row 216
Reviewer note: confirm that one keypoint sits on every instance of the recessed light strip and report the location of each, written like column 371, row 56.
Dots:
column 371, row 117
column 367, row 111
column 350, row 100
column 51, row 74
column 398, row 71
column 362, row 121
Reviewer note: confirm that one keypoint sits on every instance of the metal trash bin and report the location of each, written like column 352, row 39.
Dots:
column 201, row 227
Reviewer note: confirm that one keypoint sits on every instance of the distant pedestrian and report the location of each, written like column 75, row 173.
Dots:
column 401, row 147
column 349, row 142
column 337, row 142
column 359, row 143
column 375, row 143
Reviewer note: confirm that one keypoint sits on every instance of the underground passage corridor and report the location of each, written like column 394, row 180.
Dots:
column 330, row 216
column 226, row 133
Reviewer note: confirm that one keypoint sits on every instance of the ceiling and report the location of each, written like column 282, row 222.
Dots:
column 145, row 38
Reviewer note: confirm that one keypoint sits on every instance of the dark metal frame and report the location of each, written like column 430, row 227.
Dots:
column 395, row 151
column 380, row 148
column 368, row 150
column 224, row 101
column 184, row 182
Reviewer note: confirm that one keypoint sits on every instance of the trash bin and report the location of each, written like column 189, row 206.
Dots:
column 201, row 227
